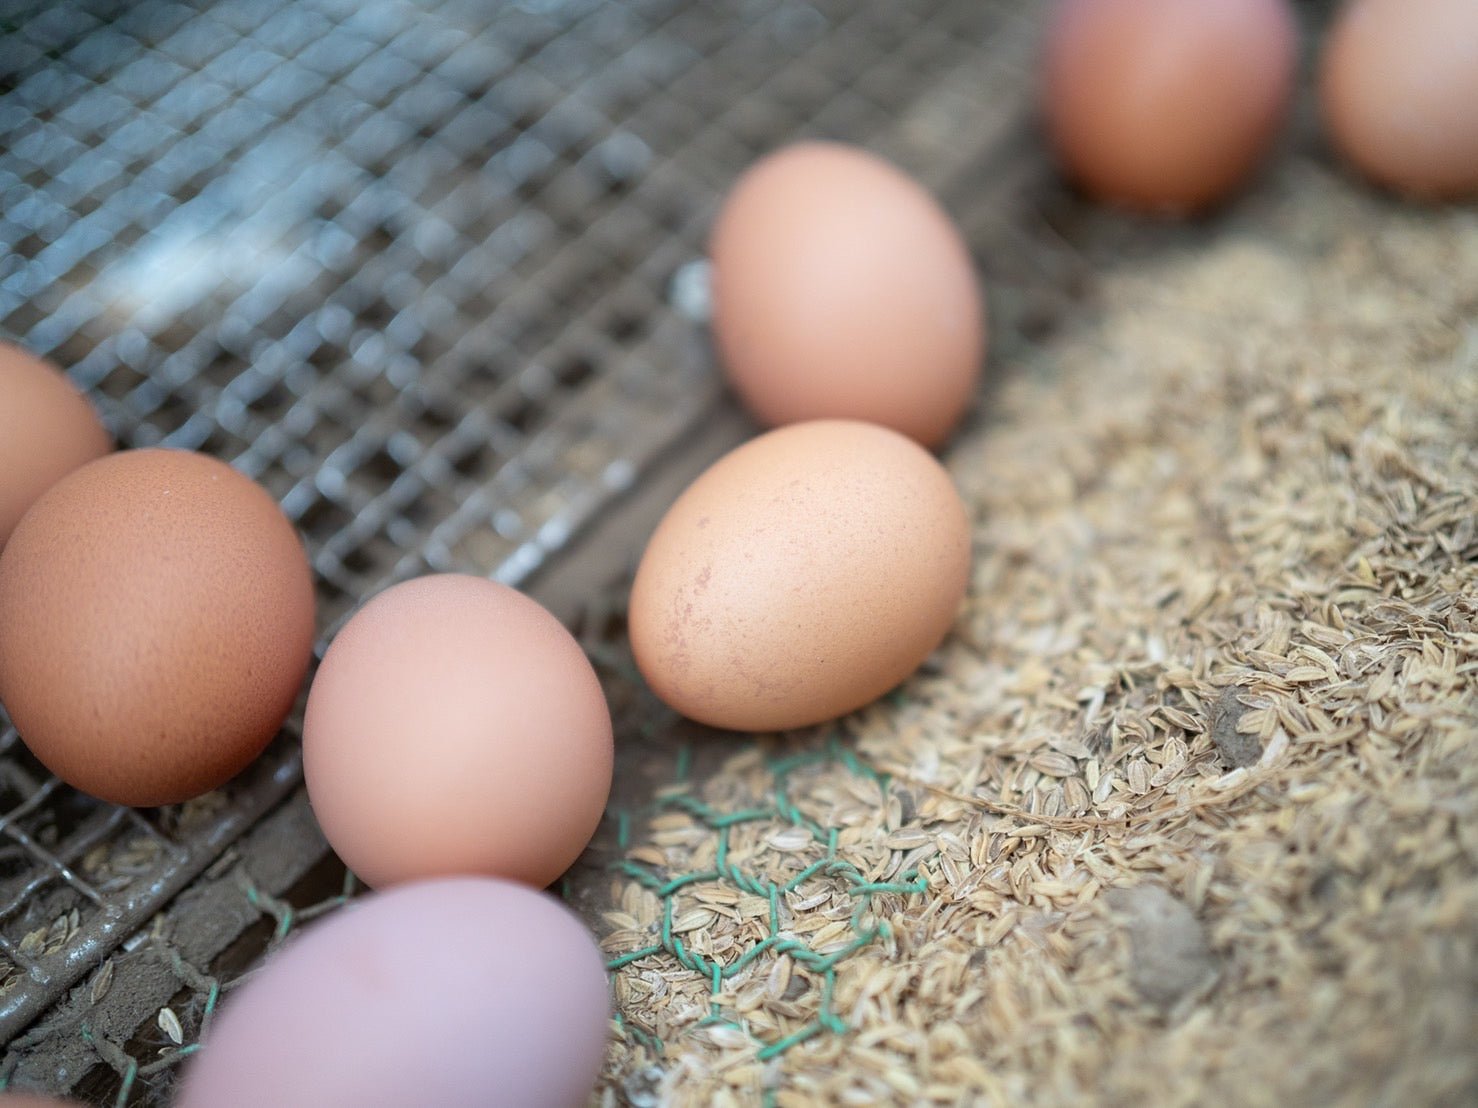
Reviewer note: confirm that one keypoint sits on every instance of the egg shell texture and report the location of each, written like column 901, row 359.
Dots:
column 456, row 726
column 458, row 993
column 47, row 429
column 841, row 289
column 804, row 574
column 1167, row 105
column 156, row 622
column 1399, row 93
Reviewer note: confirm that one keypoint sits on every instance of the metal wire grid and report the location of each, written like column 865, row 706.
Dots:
column 80, row 876
column 406, row 264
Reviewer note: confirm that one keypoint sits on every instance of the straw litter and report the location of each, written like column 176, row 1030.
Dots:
column 1192, row 790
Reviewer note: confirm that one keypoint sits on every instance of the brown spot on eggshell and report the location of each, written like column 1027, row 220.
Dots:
column 834, row 561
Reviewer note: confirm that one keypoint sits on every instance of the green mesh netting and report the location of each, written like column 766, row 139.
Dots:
column 757, row 875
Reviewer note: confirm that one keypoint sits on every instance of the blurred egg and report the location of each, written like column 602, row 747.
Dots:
column 842, row 290
column 455, row 726
column 156, row 622
column 1399, row 91
column 47, row 429
column 454, row 993
column 21, row 1099
column 802, row 575
column 1167, row 105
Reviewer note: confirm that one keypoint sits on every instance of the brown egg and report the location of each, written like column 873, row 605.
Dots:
column 1167, row 105
column 842, row 290
column 156, row 621
column 47, row 429
column 1399, row 91
column 802, row 575
column 455, row 726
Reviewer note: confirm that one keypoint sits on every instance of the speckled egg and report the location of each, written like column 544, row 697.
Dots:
column 156, row 623
column 802, row 575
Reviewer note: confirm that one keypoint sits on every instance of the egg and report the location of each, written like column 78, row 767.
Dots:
column 1399, row 92
column 841, row 289
column 21, row 1099
column 802, row 575
column 47, row 429
column 1166, row 105
column 455, row 726
column 156, row 623
column 457, row 993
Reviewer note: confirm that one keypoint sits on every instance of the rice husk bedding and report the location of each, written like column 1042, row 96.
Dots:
column 1184, row 810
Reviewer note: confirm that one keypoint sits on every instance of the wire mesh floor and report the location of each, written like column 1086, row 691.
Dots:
column 430, row 272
